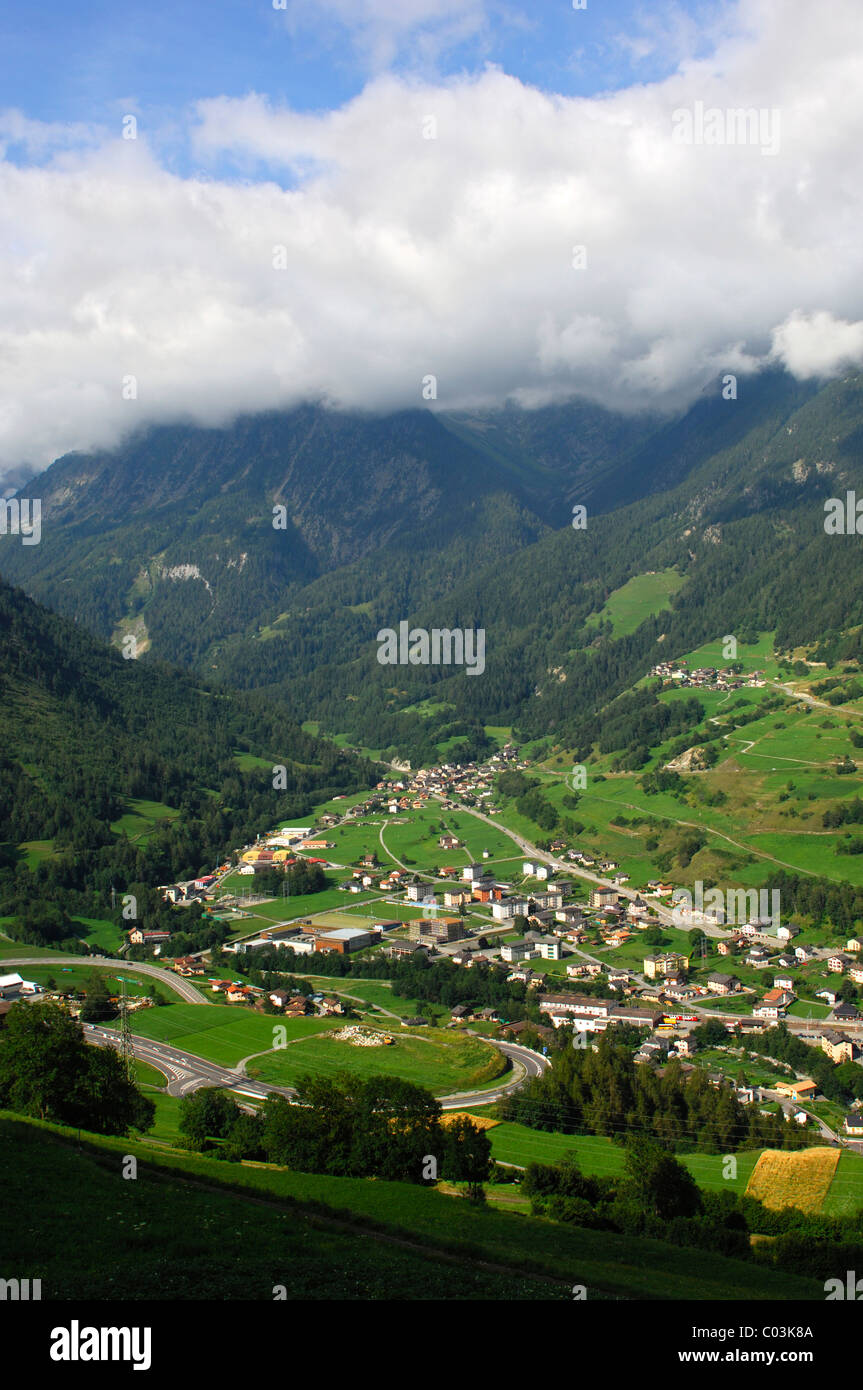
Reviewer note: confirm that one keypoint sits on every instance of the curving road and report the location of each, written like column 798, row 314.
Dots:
column 167, row 977
column 187, row 1072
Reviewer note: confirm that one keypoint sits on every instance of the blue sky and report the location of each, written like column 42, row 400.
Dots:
column 81, row 62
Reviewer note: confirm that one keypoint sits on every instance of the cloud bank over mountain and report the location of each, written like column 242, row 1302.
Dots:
column 507, row 242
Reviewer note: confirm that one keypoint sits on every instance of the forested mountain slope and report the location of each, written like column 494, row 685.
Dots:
column 85, row 731
column 459, row 522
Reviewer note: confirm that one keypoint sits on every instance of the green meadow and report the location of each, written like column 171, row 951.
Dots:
column 36, row 852
column 142, row 817
column 190, row 1227
column 77, row 977
column 640, row 598
column 442, row 1061
column 183, row 1230
column 600, row 1157
column 221, row 1033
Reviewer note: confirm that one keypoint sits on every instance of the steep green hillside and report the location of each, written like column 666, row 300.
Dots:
column 191, row 1225
column 122, row 770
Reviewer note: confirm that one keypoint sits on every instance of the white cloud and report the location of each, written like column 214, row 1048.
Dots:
column 818, row 345
column 407, row 256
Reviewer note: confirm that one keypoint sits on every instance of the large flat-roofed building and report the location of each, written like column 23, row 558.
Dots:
column 12, row 987
column 344, row 939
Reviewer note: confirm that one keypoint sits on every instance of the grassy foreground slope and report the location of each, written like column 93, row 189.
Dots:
column 191, row 1227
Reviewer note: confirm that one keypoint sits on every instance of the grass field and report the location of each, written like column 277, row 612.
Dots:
column 36, row 852
column 638, row 599
column 221, row 1033
column 160, row 1239
column 374, row 992
column 285, row 909
column 146, row 1075
column 20, row 949
column 141, row 818
column 760, row 807
column 96, row 931
column 163, row 1237
column 442, row 1061
column 801, row 1179
column 845, row 1193
column 411, row 837
column 599, row 1157
column 78, row 976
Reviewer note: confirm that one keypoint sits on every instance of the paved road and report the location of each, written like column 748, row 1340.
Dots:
column 186, row 1072
column 530, row 851
column 167, row 977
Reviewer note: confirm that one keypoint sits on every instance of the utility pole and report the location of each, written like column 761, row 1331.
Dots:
column 127, row 1052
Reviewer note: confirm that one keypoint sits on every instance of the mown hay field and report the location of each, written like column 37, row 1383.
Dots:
column 801, row 1179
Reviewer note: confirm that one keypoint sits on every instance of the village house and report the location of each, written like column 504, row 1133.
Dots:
column 398, row 950
column 547, row 947
column 838, row 962
column 239, row 994
column 771, row 1011
column 584, row 969
column 514, row 951
column 797, row 1090
column 454, row 897
column 189, row 965
column 838, row 1046
column 786, row 932
column 722, row 984
column 758, row 958
column 139, row 937
column 663, row 963
column 524, row 975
